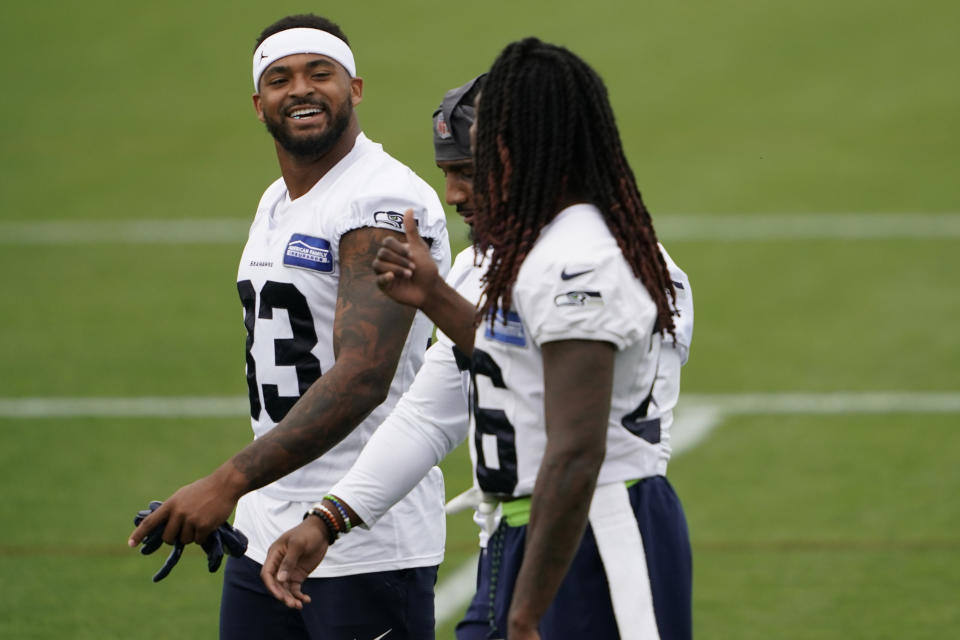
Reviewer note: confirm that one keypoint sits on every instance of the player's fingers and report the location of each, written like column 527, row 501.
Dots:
column 147, row 525
column 287, row 568
column 396, row 245
column 188, row 533
column 290, row 569
column 203, row 532
column 410, row 227
column 171, row 532
column 394, row 253
column 268, row 573
column 289, row 599
column 143, row 513
column 384, row 280
column 402, row 269
column 296, row 589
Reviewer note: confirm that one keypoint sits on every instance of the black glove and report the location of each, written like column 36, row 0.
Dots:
column 223, row 536
column 154, row 540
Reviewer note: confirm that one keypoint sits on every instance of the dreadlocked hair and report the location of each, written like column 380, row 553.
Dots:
column 546, row 135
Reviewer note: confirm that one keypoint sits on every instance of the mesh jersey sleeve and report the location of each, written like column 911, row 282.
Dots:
column 429, row 421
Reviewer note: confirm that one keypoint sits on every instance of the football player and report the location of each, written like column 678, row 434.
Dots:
column 327, row 356
column 576, row 301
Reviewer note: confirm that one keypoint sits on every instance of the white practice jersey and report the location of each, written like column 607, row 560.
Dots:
column 574, row 285
column 288, row 281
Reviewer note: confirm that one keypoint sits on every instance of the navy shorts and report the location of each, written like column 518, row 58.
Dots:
column 582, row 607
column 358, row 607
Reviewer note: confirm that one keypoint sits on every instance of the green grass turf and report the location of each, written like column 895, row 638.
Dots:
column 823, row 527
column 122, row 320
column 71, row 489
column 826, row 527
column 820, row 316
column 862, row 593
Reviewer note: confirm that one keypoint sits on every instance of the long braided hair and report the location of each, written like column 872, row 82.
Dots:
column 546, row 135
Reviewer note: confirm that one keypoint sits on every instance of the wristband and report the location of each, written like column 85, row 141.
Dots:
column 328, row 520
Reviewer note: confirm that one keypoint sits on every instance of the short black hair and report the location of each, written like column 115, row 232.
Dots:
column 307, row 20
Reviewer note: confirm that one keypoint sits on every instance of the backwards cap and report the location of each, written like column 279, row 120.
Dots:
column 452, row 120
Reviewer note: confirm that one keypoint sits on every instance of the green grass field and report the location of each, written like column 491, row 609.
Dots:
column 805, row 523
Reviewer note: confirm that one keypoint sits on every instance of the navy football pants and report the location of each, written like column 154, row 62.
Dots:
column 582, row 607
column 359, row 607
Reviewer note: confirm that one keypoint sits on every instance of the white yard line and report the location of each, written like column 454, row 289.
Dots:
column 696, row 409
column 807, row 226
column 692, row 423
column 670, row 227
column 836, row 402
column 453, row 594
column 142, row 407
column 122, row 232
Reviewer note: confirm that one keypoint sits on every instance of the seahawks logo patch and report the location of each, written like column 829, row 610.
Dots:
column 389, row 218
column 307, row 252
column 579, row 299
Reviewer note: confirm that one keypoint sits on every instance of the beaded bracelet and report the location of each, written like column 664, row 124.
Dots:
column 326, row 516
column 343, row 511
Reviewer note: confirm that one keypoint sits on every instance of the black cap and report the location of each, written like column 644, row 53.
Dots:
column 452, row 120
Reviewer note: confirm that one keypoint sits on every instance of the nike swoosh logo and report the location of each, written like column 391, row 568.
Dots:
column 569, row 276
column 383, row 635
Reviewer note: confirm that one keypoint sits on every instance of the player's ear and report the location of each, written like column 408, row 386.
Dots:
column 258, row 107
column 356, row 90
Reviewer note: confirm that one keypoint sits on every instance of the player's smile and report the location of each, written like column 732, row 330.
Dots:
column 306, row 113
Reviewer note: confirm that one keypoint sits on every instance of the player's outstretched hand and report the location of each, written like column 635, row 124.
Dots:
column 291, row 559
column 405, row 270
column 190, row 515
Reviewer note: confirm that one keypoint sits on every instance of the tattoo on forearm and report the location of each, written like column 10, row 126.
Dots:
column 368, row 337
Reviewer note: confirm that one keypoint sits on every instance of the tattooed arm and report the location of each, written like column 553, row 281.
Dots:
column 577, row 409
column 369, row 333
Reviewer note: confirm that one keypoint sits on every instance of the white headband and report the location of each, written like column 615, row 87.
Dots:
column 301, row 40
